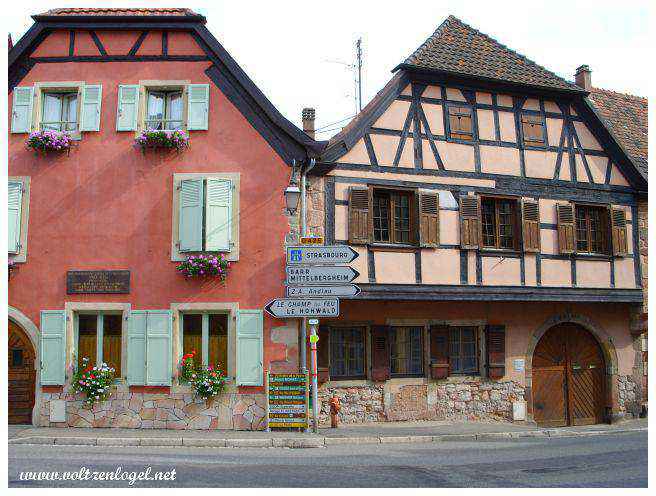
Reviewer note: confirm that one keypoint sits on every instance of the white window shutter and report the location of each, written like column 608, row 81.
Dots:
column 21, row 118
column 91, row 103
column 198, row 99
column 218, row 215
column 250, row 335
column 158, row 348
column 14, row 206
column 137, row 347
column 190, row 221
column 128, row 107
column 53, row 347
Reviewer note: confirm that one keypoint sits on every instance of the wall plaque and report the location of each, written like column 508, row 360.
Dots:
column 97, row 281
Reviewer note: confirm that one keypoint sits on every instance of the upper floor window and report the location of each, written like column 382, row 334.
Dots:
column 392, row 217
column 499, row 223
column 460, row 123
column 591, row 228
column 533, row 129
column 59, row 111
column 165, row 110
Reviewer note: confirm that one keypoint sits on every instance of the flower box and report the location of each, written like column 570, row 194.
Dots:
column 205, row 266
column 162, row 139
column 45, row 141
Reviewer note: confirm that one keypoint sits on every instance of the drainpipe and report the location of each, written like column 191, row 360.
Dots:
column 304, row 233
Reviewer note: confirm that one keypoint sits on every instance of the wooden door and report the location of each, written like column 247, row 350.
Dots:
column 568, row 378
column 21, row 376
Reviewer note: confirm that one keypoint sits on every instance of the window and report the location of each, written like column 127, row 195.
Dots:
column 499, row 223
column 591, row 227
column 165, row 110
column 533, row 129
column 460, row 123
column 463, row 350
column 207, row 334
column 406, row 351
column 347, row 352
column 59, row 111
column 99, row 338
column 392, row 218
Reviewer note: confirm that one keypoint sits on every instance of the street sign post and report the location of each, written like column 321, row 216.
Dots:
column 310, row 307
column 322, row 291
column 320, row 255
column 330, row 274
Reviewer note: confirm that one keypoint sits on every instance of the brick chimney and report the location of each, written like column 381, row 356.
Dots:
column 583, row 77
column 307, row 117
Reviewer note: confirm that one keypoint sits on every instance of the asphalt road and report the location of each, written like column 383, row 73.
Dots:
column 609, row 460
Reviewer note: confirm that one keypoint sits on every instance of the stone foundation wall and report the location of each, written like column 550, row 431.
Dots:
column 629, row 399
column 482, row 400
column 177, row 410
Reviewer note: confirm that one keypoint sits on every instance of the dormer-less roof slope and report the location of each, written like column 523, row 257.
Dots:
column 625, row 116
column 284, row 137
column 456, row 48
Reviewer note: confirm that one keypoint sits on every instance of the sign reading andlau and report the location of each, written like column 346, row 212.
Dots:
column 320, row 275
column 320, row 255
column 311, row 307
column 315, row 291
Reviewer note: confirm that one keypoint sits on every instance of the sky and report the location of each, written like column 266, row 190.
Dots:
column 301, row 53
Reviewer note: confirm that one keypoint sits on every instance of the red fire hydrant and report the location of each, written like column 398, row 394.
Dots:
column 335, row 407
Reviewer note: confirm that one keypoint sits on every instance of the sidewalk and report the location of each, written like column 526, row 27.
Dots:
column 383, row 432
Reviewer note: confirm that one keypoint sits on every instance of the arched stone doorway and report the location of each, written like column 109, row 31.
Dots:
column 21, row 375
column 568, row 377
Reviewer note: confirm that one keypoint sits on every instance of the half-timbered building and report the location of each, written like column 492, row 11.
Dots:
column 495, row 215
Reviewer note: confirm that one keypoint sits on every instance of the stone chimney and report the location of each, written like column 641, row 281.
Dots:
column 583, row 77
column 307, row 117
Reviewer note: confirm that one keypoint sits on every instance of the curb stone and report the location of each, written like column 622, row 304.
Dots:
column 310, row 442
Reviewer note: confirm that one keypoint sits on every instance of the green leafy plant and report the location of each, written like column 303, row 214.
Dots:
column 160, row 138
column 205, row 266
column 95, row 382
column 188, row 367
column 208, row 382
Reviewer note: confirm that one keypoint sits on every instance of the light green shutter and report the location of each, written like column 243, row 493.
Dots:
column 53, row 347
column 158, row 348
column 91, row 103
column 190, row 222
column 218, row 215
column 21, row 119
column 14, row 205
column 128, row 107
column 250, row 331
column 137, row 347
column 198, row 106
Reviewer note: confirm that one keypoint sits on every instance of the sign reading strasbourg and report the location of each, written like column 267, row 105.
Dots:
column 97, row 281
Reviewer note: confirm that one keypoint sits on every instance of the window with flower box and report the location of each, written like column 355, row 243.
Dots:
column 207, row 335
column 99, row 338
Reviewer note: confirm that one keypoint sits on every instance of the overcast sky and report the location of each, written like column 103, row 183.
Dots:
column 299, row 52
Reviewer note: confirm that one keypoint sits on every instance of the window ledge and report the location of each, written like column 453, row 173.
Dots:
column 501, row 252
column 392, row 246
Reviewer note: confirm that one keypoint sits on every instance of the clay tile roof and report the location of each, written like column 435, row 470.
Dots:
column 626, row 117
column 458, row 48
column 120, row 12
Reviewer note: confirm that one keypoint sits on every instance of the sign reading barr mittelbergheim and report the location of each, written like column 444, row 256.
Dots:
column 320, row 275
column 320, row 255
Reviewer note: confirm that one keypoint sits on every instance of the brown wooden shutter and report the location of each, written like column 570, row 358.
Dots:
column 380, row 353
column 496, row 351
column 429, row 219
column 323, row 355
column 470, row 222
column 531, row 225
column 359, row 212
column 618, row 230
column 566, row 232
column 439, row 352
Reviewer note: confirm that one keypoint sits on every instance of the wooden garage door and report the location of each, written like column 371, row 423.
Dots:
column 22, row 376
column 568, row 378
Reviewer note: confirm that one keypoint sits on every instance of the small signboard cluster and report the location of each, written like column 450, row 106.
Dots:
column 287, row 400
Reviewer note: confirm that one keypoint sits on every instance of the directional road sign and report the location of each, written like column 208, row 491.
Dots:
column 310, row 307
column 320, row 255
column 305, row 276
column 317, row 291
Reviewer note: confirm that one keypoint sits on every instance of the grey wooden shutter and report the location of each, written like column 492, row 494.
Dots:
column 358, row 218
column 429, row 219
column 128, row 107
column 531, row 225
column 470, row 222
column 198, row 106
column 190, row 221
column 21, row 117
column 91, row 103
column 566, row 233
column 618, row 232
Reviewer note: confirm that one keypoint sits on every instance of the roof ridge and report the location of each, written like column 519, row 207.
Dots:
column 605, row 90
